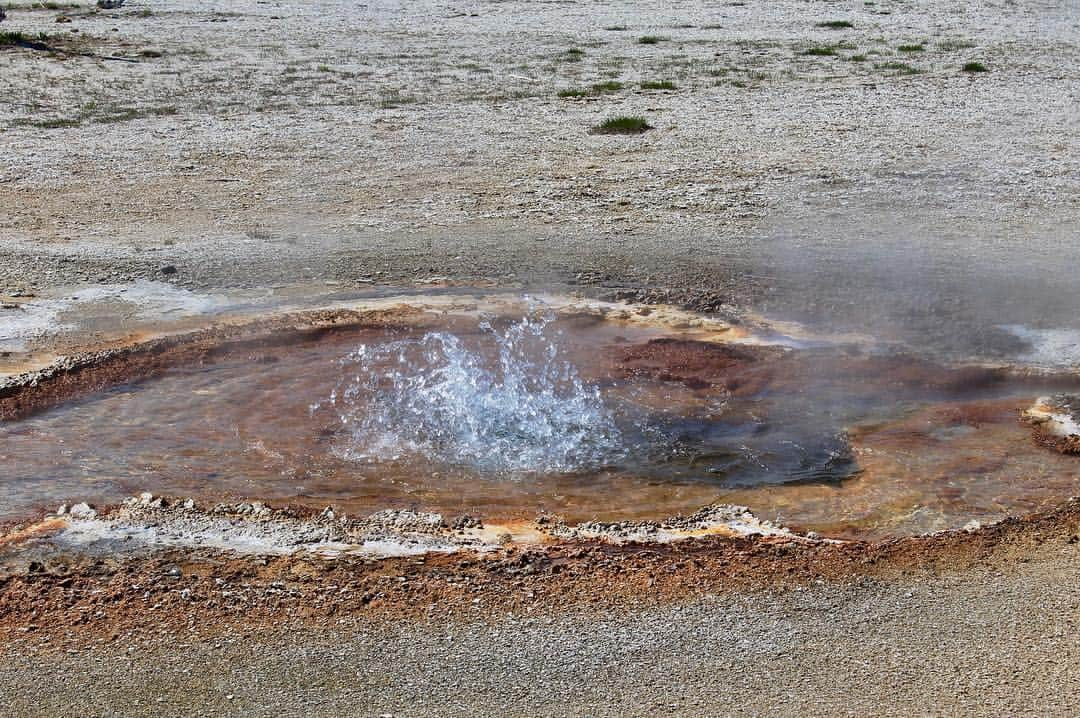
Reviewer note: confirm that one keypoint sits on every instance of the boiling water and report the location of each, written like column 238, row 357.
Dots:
column 509, row 408
column 576, row 416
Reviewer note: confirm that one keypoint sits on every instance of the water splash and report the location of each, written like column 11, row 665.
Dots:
column 509, row 405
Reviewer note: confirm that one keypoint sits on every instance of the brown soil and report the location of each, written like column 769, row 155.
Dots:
column 93, row 598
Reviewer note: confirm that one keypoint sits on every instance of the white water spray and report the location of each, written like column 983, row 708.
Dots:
column 510, row 406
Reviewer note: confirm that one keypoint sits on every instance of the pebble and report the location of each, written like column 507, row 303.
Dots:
column 82, row 511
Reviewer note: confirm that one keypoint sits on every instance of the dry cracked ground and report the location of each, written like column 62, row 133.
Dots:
column 903, row 168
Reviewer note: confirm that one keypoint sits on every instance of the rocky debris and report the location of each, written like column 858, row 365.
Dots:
column 82, row 511
column 147, row 522
column 399, row 520
column 110, row 4
column 719, row 519
column 1055, row 422
column 466, row 521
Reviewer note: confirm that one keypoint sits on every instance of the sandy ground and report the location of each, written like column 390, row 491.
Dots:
column 262, row 146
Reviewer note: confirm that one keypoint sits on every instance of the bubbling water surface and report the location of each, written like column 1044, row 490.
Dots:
column 513, row 406
column 587, row 418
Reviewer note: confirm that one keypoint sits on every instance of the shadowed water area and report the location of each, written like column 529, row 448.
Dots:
column 590, row 419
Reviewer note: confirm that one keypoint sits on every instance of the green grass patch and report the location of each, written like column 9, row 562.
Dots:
column 93, row 112
column 900, row 68
column 43, row 6
column 616, row 28
column 650, row 39
column 911, row 48
column 609, row 86
column 658, row 85
column 17, row 37
column 857, row 58
column 954, row 45
column 13, row 37
column 394, row 99
column 573, row 92
column 836, row 24
column 53, row 124
column 134, row 113
column 975, row 67
column 820, row 51
column 622, row 125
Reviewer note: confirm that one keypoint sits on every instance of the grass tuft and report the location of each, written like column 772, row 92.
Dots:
column 609, row 86
column 622, row 125
column 133, row 113
column 658, row 85
column 975, row 67
column 394, row 99
column 53, row 124
column 836, row 24
column 911, row 48
column 13, row 37
column 822, row 51
column 16, row 37
column 650, row 39
column 857, row 58
column 953, row 45
column 573, row 92
column 900, row 68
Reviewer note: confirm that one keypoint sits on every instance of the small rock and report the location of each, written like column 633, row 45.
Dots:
column 62, row 510
column 82, row 511
column 168, row 269
column 466, row 521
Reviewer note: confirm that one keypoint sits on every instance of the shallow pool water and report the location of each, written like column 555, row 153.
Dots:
column 589, row 419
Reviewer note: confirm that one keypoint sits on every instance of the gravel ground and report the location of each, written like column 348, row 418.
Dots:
column 288, row 142
column 269, row 144
column 989, row 643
